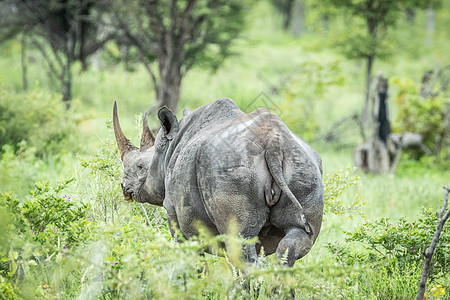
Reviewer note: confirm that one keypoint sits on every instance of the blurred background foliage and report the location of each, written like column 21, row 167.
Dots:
column 65, row 232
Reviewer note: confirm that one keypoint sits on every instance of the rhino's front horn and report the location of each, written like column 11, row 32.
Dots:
column 147, row 138
column 123, row 143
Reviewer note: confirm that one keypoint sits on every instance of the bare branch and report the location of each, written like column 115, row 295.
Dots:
column 428, row 253
column 97, row 45
column 146, row 215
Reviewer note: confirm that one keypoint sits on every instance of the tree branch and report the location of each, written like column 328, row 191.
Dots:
column 52, row 70
column 152, row 74
column 146, row 215
column 428, row 253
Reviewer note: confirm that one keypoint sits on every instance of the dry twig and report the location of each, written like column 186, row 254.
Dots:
column 428, row 253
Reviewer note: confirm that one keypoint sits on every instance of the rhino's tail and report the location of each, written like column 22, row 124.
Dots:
column 274, row 160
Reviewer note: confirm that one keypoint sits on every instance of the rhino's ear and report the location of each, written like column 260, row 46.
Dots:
column 169, row 122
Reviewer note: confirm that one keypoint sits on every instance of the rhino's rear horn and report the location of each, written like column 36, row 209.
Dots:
column 147, row 138
column 123, row 143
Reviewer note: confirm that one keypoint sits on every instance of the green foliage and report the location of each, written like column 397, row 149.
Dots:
column 41, row 232
column 417, row 114
column 21, row 167
column 101, row 185
column 395, row 248
column 39, row 120
column 371, row 18
column 211, row 27
column 300, row 101
column 389, row 282
column 48, row 216
column 334, row 186
column 358, row 44
column 6, row 289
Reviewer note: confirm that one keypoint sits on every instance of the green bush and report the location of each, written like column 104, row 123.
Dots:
column 40, row 120
column 41, row 232
column 395, row 249
column 334, row 185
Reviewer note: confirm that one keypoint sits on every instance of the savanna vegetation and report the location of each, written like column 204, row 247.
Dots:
column 65, row 230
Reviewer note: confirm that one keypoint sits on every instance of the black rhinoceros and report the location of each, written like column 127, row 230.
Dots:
column 219, row 165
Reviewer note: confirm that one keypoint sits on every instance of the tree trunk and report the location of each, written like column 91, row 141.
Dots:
column 325, row 22
column 66, row 74
column 365, row 113
column 170, row 82
column 95, row 61
column 430, row 26
column 298, row 18
column 23, row 59
column 378, row 158
column 287, row 13
column 67, row 89
column 410, row 15
column 66, row 81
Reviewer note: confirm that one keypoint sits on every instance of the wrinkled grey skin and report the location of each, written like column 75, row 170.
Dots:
column 219, row 165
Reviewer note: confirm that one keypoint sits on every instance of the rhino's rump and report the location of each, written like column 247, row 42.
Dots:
column 234, row 154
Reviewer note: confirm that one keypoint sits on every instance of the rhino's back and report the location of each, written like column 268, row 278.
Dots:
column 249, row 135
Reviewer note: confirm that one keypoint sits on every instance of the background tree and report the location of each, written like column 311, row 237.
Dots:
column 284, row 7
column 368, row 41
column 293, row 14
column 176, row 35
column 63, row 31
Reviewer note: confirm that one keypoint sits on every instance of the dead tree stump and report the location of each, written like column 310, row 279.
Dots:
column 380, row 153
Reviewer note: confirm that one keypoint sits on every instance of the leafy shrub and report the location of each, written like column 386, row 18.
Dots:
column 334, row 186
column 395, row 248
column 40, row 120
column 41, row 230
column 101, row 185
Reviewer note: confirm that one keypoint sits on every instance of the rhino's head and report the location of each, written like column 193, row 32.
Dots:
column 143, row 167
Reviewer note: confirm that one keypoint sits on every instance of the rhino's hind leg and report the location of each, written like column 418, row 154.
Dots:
column 249, row 253
column 295, row 244
column 234, row 214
